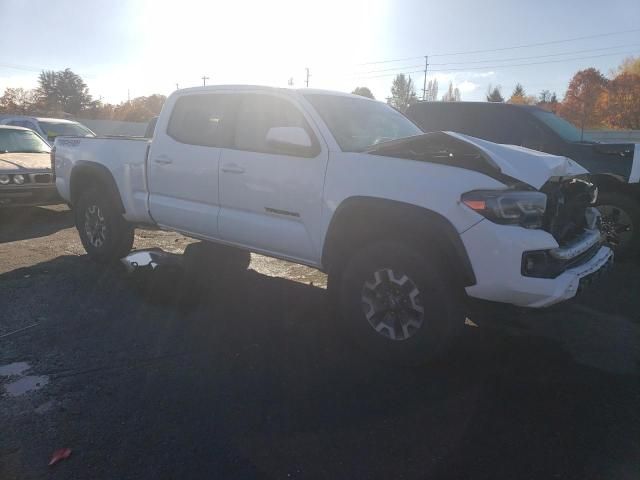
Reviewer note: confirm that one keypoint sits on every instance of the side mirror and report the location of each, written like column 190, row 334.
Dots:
column 290, row 140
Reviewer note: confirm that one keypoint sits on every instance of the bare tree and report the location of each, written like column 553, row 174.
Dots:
column 452, row 95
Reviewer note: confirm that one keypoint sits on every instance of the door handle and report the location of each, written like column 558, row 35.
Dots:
column 163, row 160
column 232, row 168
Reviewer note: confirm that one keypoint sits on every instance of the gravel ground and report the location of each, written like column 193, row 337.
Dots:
column 251, row 379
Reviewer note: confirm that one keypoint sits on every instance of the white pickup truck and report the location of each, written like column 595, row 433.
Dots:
column 406, row 224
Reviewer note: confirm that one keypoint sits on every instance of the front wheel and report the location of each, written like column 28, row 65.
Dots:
column 105, row 235
column 399, row 303
column 620, row 223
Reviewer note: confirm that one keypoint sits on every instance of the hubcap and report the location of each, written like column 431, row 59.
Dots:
column 616, row 225
column 392, row 304
column 95, row 226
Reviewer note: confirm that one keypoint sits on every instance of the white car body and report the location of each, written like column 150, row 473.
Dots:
column 282, row 205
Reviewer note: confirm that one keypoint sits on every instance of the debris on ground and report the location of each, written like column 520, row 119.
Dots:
column 59, row 455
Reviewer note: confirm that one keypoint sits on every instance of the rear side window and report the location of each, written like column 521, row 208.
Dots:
column 493, row 124
column 203, row 119
column 257, row 114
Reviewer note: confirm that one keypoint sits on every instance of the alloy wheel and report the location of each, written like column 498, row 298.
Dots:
column 95, row 226
column 392, row 304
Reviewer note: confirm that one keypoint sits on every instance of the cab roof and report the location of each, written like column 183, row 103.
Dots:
column 290, row 91
column 462, row 105
column 39, row 119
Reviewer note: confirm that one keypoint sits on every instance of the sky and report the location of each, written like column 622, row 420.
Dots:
column 133, row 48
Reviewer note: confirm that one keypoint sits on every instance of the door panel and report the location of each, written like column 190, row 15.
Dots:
column 183, row 186
column 184, row 163
column 271, row 201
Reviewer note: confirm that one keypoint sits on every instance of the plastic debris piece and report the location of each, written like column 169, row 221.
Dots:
column 151, row 258
column 59, row 455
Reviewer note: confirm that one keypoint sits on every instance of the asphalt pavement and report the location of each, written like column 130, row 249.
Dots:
column 251, row 378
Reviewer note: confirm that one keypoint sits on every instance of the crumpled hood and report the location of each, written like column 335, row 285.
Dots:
column 22, row 162
column 529, row 166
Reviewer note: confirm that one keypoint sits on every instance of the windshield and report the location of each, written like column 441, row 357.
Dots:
column 358, row 124
column 21, row 141
column 55, row 129
column 565, row 129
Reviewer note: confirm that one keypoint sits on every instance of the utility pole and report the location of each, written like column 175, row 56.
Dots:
column 204, row 80
column 424, row 88
column 128, row 96
column 307, row 80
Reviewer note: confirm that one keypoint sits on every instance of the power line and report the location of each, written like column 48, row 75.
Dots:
column 387, row 61
column 552, row 42
column 505, row 66
column 586, row 37
column 539, row 56
column 406, row 67
column 27, row 68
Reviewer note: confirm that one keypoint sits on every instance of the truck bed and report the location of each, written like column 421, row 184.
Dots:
column 124, row 157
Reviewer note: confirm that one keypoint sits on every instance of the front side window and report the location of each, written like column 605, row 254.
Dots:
column 358, row 124
column 63, row 129
column 21, row 141
column 257, row 114
column 202, row 119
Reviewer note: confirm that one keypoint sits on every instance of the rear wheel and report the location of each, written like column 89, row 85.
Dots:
column 399, row 303
column 105, row 235
column 620, row 223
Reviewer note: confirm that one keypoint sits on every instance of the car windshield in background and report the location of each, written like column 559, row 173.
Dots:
column 53, row 129
column 21, row 141
column 559, row 125
column 358, row 124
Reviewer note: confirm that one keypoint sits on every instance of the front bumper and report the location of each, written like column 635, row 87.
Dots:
column 29, row 195
column 496, row 254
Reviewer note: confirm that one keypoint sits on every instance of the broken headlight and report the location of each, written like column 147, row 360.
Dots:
column 508, row 207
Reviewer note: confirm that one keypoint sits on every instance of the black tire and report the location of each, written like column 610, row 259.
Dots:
column 616, row 206
column 440, row 297
column 117, row 235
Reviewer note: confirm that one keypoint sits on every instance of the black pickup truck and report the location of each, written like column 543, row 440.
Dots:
column 615, row 168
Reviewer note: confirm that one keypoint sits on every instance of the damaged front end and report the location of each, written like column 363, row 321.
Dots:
column 543, row 191
column 574, row 222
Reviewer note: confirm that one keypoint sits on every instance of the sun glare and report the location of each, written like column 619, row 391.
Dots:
column 256, row 41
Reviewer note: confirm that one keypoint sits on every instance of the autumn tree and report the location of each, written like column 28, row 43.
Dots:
column 403, row 93
column 452, row 94
column 518, row 96
column 494, row 94
column 140, row 109
column 63, row 90
column 623, row 102
column 629, row 65
column 18, row 101
column 583, row 102
column 363, row 92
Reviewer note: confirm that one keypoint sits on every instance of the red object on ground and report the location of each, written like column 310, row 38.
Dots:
column 59, row 455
